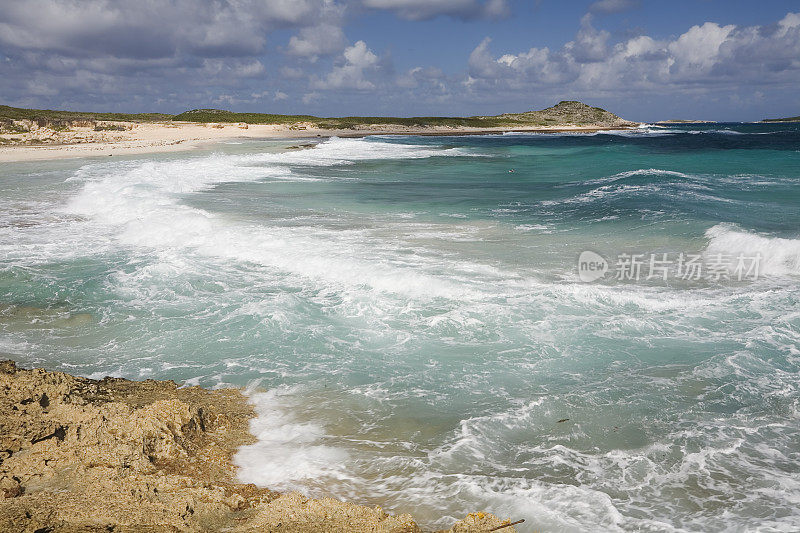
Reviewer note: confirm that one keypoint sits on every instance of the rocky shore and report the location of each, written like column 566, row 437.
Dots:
column 116, row 455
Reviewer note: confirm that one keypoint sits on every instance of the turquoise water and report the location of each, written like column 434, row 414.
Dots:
column 408, row 315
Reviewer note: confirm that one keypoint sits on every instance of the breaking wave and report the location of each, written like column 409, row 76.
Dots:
column 778, row 256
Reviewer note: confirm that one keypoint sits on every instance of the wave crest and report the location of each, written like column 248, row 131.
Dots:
column 778, row 256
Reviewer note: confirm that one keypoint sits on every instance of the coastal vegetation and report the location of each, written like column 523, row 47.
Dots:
column 38, row 115
column 563, row 113
column 785, row 119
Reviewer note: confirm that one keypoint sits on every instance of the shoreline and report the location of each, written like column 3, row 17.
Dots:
column 122, row 455
column 146, row 138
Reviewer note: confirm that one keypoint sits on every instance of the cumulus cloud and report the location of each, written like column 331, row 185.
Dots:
column 324, row 39
column 482, row 65
column 351, row 74
column 428, row 9
column 116, row 50
column 292, row 73
column 418, row 76
column 708, row 55
column 177, row 54
column 149, row 29
column 310, row 98
column 590, row 45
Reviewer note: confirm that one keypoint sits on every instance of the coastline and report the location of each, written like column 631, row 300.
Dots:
column 145, row 138
column 121, row 455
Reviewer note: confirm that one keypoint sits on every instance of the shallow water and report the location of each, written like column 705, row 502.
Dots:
column 409, row 316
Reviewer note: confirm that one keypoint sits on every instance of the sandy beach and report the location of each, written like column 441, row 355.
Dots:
column 129, row 138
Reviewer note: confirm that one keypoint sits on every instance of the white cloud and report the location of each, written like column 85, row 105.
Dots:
column 359, row 55
column 312, row 42
column 536, row 66
column 310, row 98
column 708, row 55
column 322, row 37
column 40, row 89
column 121, row 28
column 249, row 69
column 292, row 73
column 358, row 59
column 482, row 65
column 698, row 49
column 427, row 9
column 590, row 45
column 421, row 76
column 612, row 6
column 280, row 95
column 232, row 68
column 788, row 23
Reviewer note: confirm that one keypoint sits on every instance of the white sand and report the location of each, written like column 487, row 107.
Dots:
column 140, row 139
column 176, row 136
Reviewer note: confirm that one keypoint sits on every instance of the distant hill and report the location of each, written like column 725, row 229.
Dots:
column 566, row 113
column 787, row 119
column 562, row 114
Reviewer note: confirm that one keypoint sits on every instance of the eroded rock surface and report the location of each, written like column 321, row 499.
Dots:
column 115, row 455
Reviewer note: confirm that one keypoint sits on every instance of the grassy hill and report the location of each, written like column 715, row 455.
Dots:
column 18, row 113
column 786, row 119
column 218, row 115
column 563, row 113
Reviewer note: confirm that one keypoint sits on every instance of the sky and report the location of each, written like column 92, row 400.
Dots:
column 644, row 60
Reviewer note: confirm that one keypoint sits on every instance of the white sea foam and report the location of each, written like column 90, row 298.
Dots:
column 631, row 173
column 143, row 204
column 288, row 452
column 532, row 227
column 666, row 189
column 643, row 130
column 778, row 256
column 338, row 151
column 716, row 131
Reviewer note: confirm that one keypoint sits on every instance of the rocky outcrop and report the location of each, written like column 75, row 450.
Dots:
column 43, row 131
column 570, row 112
column 115, row 455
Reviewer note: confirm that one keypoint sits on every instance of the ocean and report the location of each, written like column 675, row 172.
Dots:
column 412, row 322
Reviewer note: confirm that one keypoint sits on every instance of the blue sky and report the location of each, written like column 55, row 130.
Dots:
column 645, row 60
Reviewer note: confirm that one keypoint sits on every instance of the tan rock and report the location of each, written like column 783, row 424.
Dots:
column 124, row 456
